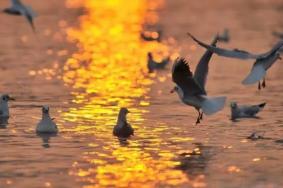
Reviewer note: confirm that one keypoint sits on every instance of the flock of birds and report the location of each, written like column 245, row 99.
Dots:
column 189, row 86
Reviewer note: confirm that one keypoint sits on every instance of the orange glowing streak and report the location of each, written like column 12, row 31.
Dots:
column 109, row 71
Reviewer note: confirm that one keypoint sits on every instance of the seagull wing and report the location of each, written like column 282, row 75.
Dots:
column 276, row 48
column 251, row 110
column 201, row 71
column 257, row 73
column 31, row 11
column 16, row 3
column 239, row 54
column 25, row 12
column 183, row 77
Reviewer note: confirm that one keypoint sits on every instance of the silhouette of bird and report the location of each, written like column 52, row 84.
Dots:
column 123, row 129
column 263, row 61
column 18, row 8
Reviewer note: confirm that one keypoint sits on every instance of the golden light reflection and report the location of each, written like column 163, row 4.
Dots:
column 109, row 71
column 233, row 169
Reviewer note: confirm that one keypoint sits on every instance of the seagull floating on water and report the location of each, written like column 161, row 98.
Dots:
column 245, row 111
column 256, row 136
column 154, row 65
column 263, row 61
column 18, row 8
column 4, row 107
column 123, row 129
column 46, row 124
column 191, row 88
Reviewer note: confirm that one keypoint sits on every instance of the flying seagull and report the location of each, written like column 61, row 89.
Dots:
column 18, row 8
column 4, row 108
column 46, row 124
column 154, row 65
column 191, row 88
column 123, row 129
column 263, row 61
column 245, row 111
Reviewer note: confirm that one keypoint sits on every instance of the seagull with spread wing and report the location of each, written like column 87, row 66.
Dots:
column 191, row 88
column 263, row 61
column 18, row 8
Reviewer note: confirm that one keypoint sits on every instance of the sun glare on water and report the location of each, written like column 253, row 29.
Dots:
column 109, row 71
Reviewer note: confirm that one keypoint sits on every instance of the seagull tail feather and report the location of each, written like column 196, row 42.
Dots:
column 211, row 105
column 257, row 73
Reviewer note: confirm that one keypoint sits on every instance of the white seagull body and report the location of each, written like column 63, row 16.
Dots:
column 263, row 61
column 191, row 88
column 46, row 124
column 245, row 111
column 18, row 8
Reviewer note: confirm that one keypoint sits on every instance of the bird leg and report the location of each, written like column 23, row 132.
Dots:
column 198, row 121
column 263, row 83
column 199, row 117
column 259, row 86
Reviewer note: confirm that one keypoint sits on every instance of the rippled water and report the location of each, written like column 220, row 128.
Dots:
column 87, row 69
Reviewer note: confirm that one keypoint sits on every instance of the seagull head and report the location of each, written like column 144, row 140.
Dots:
column 6, row 98
column 124, row 111
column 45, row 109
column 233, row 104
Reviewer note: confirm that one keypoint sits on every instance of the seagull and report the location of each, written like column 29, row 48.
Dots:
column 46, row 124
column 256, row 136
column 245, row 111
column 123, row 129
column 4, row 108
column 18, row 8
column 263, row 61
column 225, row 36
column 191, row 88
column 153, row 65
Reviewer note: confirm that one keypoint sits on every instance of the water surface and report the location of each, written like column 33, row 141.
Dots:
column 89, row 60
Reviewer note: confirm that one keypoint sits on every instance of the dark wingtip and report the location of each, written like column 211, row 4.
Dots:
column 262, row 105
column 190, row 35
column 182, row 60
